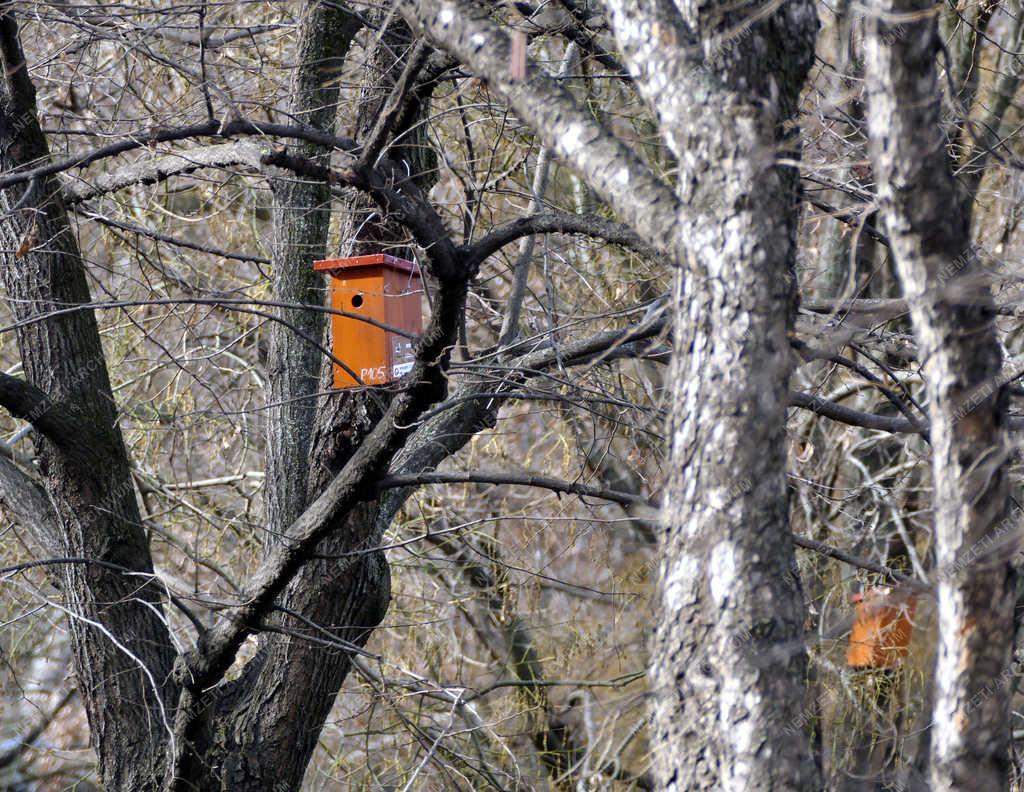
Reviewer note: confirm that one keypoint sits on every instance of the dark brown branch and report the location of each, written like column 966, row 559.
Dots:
column 846, row 415
column 108, row 565
column 573, row 28
column 387, row 185
column 852, row 218
column 176, row 241
column 600, row 346
column 560, row 223
column 211, row 42
column 212, row 301
column 630, row 499
column 395, row 104
column 238, row 304
column 544, row 482
column 58, row 422
column 888, row 307
column 395, row 193
column 447, row 430
column 866, row 420
column 842, row 360
column 862, row 563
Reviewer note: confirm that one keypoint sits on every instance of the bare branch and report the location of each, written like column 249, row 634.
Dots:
column 608, row 165
column 544, row 482
column 27, row 502
column 147, row 138
column 69, row 432
column 553, row 222
column 155, row 170
column 170, row 240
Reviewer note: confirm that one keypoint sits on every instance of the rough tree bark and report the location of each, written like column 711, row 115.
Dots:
column 302, row 217
column 280, row 703
column 728, row 655
column 728, row 659
column 952, row 309
column 122, row 649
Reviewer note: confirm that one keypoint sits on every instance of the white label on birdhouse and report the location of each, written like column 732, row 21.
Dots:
column 400, row 370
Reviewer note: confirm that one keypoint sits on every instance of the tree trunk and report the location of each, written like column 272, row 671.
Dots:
column 122, row 650
column 953, row 314
column 262, row 730
column 728, row 657
column 302, row 218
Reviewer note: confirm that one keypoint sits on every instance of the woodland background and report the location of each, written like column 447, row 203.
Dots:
column 516, row 648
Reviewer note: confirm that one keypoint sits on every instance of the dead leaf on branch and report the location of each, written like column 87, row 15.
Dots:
column 28, row 242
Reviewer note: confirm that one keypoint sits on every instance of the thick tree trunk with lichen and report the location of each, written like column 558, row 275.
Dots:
column 728, row 655
column 927, row 220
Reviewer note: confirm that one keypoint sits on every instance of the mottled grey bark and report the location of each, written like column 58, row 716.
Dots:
column 728, row 657
column 121, row 646
column 953, row 314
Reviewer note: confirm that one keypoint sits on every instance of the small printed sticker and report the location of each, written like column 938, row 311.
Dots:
column 400, row 369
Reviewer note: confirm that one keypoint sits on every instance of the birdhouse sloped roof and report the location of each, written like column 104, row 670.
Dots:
column 337, row 265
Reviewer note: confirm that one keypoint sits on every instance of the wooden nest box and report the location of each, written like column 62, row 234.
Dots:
column 383, row 288
column 882, row 628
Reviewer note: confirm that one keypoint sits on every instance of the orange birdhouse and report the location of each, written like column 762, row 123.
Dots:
column 882, row 628
column 387, row 290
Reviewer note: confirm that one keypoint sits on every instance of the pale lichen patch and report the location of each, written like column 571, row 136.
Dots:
column 722, row 571
column 572, row 140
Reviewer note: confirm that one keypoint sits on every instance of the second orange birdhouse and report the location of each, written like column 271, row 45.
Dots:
column 384, row 289
column 882, row 628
